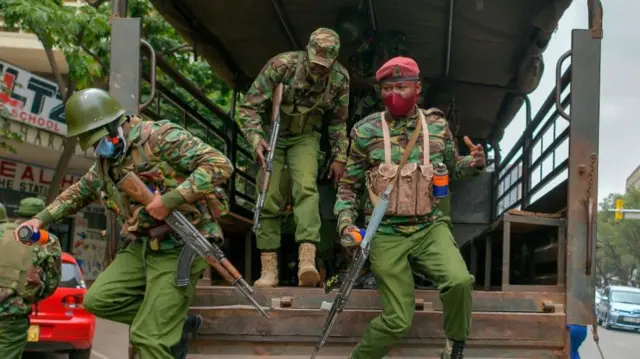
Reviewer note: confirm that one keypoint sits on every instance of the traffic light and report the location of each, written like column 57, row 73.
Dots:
column 618, row 213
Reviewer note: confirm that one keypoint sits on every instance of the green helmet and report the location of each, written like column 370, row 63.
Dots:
column 87, row 112
column 3, row 214
column 30, row 206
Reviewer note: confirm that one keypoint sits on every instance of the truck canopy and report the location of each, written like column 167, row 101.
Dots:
column 480, row 45
column 528, row 256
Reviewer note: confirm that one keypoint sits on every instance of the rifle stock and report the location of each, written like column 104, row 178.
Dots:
column 133, row 187
column 266, row 178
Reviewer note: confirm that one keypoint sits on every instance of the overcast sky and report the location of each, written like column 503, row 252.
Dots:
column 620, row 85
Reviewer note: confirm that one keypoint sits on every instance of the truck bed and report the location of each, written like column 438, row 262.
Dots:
column 296, row 322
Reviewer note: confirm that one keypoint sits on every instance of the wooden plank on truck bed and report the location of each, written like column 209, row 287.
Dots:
column 489, row 330
column 311, row 298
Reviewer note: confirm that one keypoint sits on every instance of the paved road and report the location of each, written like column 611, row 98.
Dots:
column 111, row 343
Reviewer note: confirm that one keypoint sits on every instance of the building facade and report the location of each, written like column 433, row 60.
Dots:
column 633, row 181
column 36, row 113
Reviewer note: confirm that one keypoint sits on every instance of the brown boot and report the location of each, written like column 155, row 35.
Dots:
column 269, row 273
column 307, row 273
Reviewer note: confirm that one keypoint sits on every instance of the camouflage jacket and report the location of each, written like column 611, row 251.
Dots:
column 46, row 260
column 202, row 167
column 289, row 69
column 367, row 152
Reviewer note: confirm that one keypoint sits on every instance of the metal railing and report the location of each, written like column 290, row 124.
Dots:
column 178, row 100
column 539, row 159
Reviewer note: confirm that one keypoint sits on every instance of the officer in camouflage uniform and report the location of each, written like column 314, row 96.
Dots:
column 27, row 274
column 413, row 231
column 316, row 91
column 139, row 287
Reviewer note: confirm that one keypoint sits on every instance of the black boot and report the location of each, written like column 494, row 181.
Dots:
column 453, row 350
column 457, row 351
column 191, row 325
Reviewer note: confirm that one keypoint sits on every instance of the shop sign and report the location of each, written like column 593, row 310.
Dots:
column 32, row 99
column 27, row 178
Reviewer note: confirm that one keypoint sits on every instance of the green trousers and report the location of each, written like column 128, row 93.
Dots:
column 434, row 252
column 13, row 337
column 300, row 154
column 139, row 289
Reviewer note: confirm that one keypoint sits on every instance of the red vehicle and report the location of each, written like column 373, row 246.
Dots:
column 60, row 323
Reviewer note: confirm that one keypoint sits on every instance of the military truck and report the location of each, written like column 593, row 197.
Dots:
column 526, row 227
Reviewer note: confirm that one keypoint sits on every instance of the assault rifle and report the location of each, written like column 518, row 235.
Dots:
column 133, row 186
column 347, row 281
column 266, row 178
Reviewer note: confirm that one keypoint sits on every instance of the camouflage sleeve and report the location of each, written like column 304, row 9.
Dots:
column 207, row 167
column 74, row 198
column 338, row 125
column 351, row 185
column 459, row 167
column 257, row 97
column 49, row 267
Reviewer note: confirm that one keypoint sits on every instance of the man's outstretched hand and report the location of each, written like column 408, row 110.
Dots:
column 477, row 152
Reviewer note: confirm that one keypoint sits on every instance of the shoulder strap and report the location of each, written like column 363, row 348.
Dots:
column 386, row 136
column 426, row 151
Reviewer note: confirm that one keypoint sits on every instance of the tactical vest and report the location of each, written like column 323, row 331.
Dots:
column 15, row 260
column 156, row 173
column 413, row 193
column 298, row 119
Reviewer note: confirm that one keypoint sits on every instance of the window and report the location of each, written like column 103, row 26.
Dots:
column 95, row 220
column 623, row 296
column 71, row 277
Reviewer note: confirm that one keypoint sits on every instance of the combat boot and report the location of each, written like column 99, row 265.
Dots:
column 308, row 275
column 453, row 350
column 191, row 325
column 269, row 273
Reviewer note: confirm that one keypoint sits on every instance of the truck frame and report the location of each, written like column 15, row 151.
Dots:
column 526, row 232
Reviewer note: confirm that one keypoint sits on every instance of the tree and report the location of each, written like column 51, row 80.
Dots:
column 618, row 250
column 6, row 135
column 83, row 35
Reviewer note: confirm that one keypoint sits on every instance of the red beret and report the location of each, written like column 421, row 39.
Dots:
column 399, row 68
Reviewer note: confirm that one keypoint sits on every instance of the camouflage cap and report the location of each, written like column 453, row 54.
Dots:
column 30, row 206
column 323, row 47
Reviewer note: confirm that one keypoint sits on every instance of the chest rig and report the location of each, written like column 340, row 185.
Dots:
column 413, row 193
column 296, row 117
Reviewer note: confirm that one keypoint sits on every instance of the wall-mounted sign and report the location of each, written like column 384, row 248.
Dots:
column 43, row 138
column 32, row 99
column 22, row 177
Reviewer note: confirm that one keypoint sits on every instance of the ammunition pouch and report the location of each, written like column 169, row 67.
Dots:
column 413, row 192
column 295, row 124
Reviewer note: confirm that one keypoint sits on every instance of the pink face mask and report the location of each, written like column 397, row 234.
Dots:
column 399, row 106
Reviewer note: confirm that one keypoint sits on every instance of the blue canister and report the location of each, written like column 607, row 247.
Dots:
column 440, row 181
